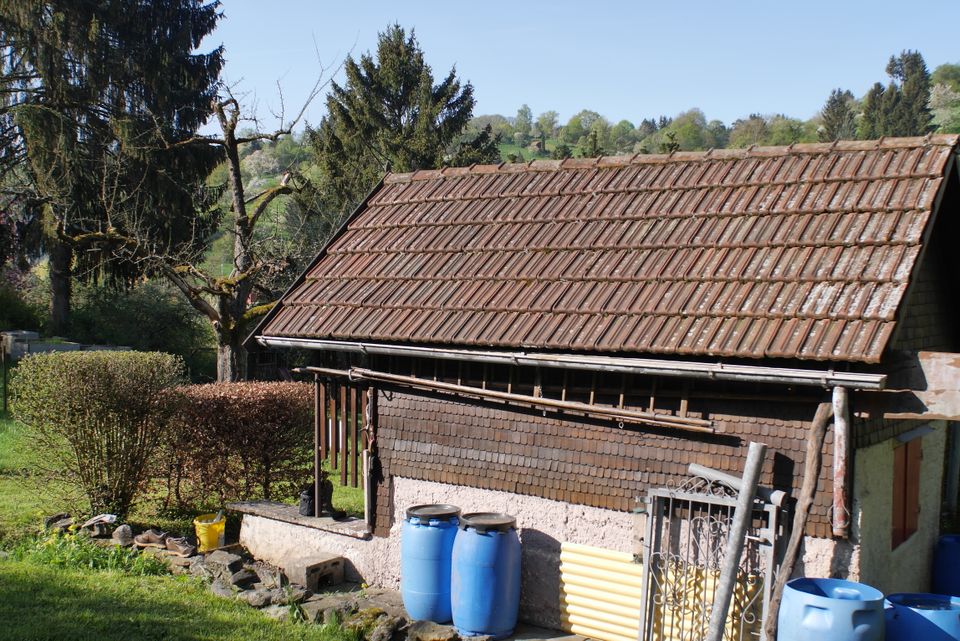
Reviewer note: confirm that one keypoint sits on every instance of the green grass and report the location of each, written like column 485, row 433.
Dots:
column 65, row 588
column 39, row 602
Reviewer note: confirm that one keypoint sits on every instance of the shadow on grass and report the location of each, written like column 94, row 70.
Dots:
column 39, row 602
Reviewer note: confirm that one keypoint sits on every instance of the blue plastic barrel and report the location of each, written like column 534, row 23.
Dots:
column 930, row 617
column 426, row 549
column 485, row 587
column 830, row 610
column 945, row 578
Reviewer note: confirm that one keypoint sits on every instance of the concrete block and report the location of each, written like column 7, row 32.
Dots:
column 315, row 571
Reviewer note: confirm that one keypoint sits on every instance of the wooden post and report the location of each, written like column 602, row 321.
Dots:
column 318, row 427
column 841, row 456
column 735, row 540
column 811, row 474
column 344, row 433
column 354, row 432
column 332, row 446
column 321, row 400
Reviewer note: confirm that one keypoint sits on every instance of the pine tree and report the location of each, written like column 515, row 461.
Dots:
column 839, row 120
column 902, row 107
column 388, row 115
column 107, row 88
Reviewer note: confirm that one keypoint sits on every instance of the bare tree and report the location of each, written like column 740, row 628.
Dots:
column 261, row 254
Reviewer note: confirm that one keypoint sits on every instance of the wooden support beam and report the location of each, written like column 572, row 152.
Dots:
column 808, row 491
column 318, row 428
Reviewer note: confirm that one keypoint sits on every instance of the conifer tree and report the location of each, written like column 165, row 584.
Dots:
column 103, row 87
column 388, row 114
column 839, row 120
column 902, row 107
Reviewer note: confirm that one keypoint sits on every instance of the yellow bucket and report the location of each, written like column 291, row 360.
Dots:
column 210, row 531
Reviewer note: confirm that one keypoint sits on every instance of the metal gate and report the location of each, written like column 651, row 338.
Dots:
column 686, row 536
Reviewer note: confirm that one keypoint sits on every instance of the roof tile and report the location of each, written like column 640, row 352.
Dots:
column 798, row 252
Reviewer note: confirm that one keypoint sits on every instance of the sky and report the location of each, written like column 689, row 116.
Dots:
column 628, row 60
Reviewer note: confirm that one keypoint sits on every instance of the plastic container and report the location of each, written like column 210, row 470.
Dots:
column 486, row 575
column 830, row 610
column 930, row 617
column 426, row 549
column 210, row 529
column 945, row 578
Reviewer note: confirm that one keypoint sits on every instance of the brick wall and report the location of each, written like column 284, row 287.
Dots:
column 437, row 438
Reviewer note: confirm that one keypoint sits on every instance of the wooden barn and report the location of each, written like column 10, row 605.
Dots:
column 561, row 340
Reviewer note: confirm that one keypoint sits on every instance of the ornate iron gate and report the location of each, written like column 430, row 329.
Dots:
column 686, row 536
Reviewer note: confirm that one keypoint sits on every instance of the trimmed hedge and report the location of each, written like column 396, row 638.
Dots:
column 97, row 417
column 238, row 441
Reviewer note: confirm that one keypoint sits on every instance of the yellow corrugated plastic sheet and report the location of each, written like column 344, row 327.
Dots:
column 601, row 594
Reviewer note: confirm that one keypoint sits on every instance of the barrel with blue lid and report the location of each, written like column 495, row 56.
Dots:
column 485, row 585
column 945, row 577
column 426, row 551
column 830, row 610
column 930, row 617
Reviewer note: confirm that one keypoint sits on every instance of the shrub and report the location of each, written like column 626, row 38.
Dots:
column 79, row 552
column 97, row 417
column 237, row 441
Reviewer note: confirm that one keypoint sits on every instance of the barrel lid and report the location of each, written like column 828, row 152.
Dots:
column 488, row 522
column 435, row 511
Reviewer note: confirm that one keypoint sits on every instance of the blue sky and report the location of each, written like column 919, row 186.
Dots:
column 623, row 59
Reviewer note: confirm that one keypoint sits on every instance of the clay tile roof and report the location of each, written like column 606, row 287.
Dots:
column 789, row 252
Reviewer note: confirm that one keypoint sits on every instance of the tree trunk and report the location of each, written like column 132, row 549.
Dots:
column 231, row 359
column 61, row 274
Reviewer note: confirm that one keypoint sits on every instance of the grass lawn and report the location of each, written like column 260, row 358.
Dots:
column 39, row 602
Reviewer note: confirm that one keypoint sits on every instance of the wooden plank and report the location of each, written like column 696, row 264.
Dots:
column 911, row 504
column 322, row 417
column 354, row 437
column 334, row 427
column 344, row 434
column 364, row 438
column 898, row 532
column 318, row 426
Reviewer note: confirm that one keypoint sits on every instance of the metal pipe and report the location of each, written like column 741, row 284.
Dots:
column 766, row 494
column 841, row 457
column 735, row 540
column 627, row 365
column 625, row 416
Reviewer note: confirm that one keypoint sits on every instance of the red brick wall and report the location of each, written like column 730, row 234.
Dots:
column 597, row 463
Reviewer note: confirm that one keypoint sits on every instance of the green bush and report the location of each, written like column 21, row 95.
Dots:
column 153, row 316
column 97, row 417
column 79, row 552
column 15, row 312
column 238, row 441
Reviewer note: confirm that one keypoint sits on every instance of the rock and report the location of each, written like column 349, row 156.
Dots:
column 289, row 594
column 278, row 612
column 270, row 576
column 430, row 631
column 385, row 627
column 177, row 561
column 123, row 536
column 4, row 555
column 222, row 564
column 198, row 567
column 58, row 522
column 387, row 600
column 258, row 597
column 243, row 579
column 221, row 588
column 323, row 608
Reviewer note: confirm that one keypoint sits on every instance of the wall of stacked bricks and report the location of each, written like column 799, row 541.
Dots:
column 581, row 461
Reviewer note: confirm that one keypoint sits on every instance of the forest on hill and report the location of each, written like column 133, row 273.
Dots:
column 912, row 102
